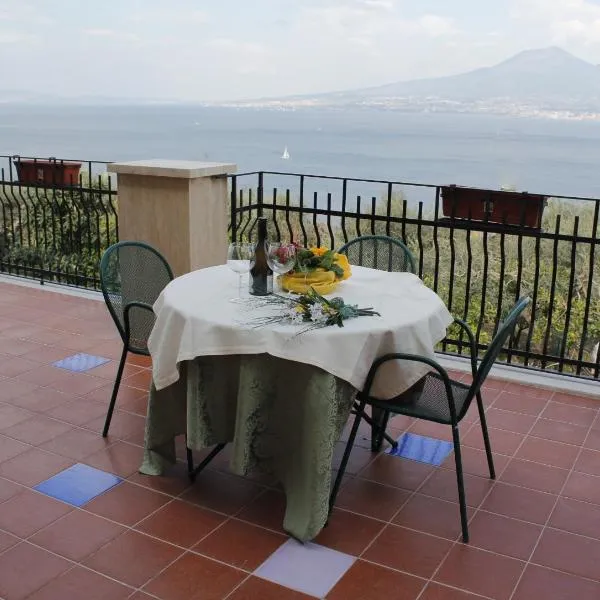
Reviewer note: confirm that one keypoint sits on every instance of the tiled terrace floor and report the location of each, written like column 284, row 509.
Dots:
column 535, row 531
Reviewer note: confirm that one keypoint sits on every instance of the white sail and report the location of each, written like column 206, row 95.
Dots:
column 286, row 154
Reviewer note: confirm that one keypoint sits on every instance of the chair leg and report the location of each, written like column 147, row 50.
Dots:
column 461, row 485
column 113, row 399
column 340, row 475
column 194, row 471
column 385, row 436
column 190, row 459
column 486, row 437
column 378, row 427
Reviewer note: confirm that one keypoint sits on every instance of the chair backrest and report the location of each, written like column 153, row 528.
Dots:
column 379, row 252
column 133, row 272
column 505, row 329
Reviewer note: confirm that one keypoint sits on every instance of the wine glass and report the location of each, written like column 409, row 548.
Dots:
column 238, row 260
column 281, row 258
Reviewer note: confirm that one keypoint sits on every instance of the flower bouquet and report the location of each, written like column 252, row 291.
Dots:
column 316, row 268
column 311, row 309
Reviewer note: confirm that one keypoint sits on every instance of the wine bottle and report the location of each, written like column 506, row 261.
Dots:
column 261, row 275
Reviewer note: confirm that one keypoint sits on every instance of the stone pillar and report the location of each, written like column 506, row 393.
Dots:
column 179, row 207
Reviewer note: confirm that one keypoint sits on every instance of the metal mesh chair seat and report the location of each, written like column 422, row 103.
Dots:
column 379, row 252
column 430, row 402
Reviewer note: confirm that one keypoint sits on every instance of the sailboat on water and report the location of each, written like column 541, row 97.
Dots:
column 286, row 154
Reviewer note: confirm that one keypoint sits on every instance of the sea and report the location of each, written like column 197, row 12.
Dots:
column 552, row 157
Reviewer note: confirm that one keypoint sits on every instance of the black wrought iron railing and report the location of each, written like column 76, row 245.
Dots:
column 56, row 219
column 480, row 250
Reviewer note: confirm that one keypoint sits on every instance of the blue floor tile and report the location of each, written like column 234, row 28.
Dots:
column 423, row 449
column 80, row 363
column 78, row 484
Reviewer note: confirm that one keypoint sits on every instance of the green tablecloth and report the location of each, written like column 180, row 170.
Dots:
column 281, row 417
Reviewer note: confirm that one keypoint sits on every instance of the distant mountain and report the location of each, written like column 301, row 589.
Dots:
column 532, row 82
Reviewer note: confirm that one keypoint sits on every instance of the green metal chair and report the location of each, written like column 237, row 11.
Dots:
column 386, row 254
column 132, row 276
column 379, row 252
column 441, row 400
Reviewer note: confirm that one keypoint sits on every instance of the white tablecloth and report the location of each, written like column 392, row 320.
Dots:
column 194, row 317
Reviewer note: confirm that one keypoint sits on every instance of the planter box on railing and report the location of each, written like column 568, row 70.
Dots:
column 47, row 172
column 492, row 206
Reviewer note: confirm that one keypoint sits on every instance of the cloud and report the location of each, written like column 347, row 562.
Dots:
column 17, row 38
column 575, row 22
column 112, row 33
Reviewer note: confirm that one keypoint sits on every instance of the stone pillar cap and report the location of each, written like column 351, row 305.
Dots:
column 182, row 169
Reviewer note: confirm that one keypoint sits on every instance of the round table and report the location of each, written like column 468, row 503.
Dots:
column 195, row 317
column 279, row 399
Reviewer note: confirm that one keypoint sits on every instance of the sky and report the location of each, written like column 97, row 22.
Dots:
column 207, row 50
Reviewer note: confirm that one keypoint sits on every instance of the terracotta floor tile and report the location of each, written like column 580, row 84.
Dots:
column 398, row 472
column 25, row 568
column 8, row 489
column 17, row 347
column 82, row 584
column 126, row 393
column 75, row 444
column 509, row 421
column 502, row 442
column 122, row 426
column 137, row 406
column 534, row 476
column 593, row 440
column 569, row 414
column 480, row 572
column 42, row 400
column 33, row 466
column 503, row 535
column 432, row 430
column 267, row 510
column 7, row 541
column 133, row 558
column 559, row 432
column 548, row 452
column 545, row 584
column 443, row 485
column 45, row 354
column 437, row 591
column 11, row 415
column 408, row 551
column 582, row 401
column 372, row 582
column 109, row 370
column 525, row 404
column 127, row 503
column 45, row 375
column 240, row 544
column 431, row 515
column 475, row 462
column 360, row 457
column 255, row 588
column 121, row 459
column 77, row 535
column 371, row 499
column 78, row 412
column 194, row 577
column 348, row 532
column 569, row 553
column 576, row 517
column 519, row 503
column 173, row 482
column 222, row 492
column 181, row 523
column 140, row 380
column 16, row 366
column 579, row 486
column 10, row 447
column 36, row 430
column 589, row 463
column 528, row 391
column 27, row 512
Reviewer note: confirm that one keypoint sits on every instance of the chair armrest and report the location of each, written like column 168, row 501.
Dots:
column 472, row 344
column 415, row 358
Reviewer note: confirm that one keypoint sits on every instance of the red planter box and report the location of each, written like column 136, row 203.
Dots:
column 512, row 208
column 47, row 172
